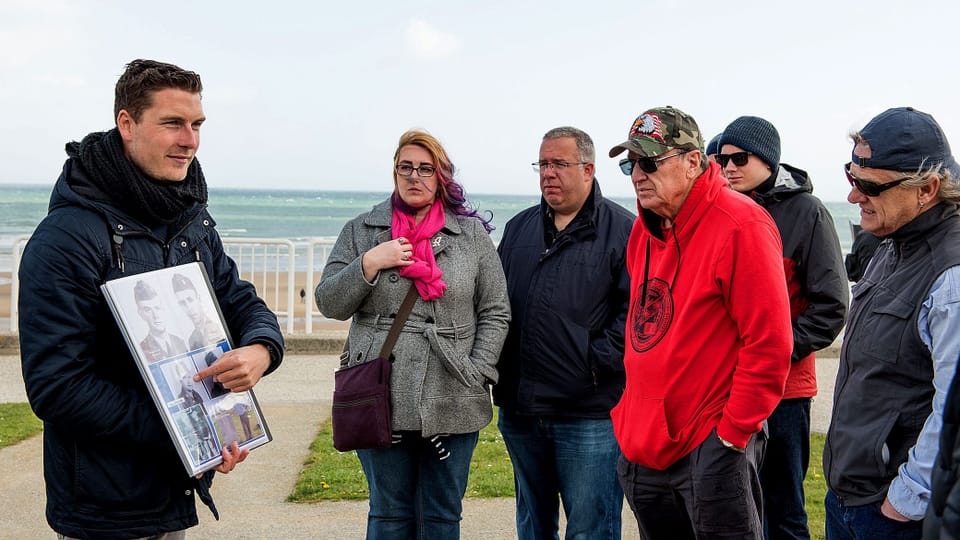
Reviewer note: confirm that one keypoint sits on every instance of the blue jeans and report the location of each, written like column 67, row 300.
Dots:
column 784, row 467
column 573, row 460
column 416, row 487
column 865, row 522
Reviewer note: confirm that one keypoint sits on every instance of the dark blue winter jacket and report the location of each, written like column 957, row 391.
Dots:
column 110, row 468
column 564, row 351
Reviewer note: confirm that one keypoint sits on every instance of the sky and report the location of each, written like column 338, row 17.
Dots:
column 314, row 95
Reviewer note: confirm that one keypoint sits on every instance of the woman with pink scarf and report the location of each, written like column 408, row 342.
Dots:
column 445, row 358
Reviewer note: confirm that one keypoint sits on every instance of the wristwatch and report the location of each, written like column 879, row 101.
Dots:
column 729, row 444
column 272, row 349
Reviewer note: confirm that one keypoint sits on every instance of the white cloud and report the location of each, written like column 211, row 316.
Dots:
column 425, row 41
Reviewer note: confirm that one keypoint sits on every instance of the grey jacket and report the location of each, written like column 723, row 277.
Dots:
column 446, row 355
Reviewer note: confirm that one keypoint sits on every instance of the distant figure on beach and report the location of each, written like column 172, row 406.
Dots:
column 206, row 325
column 129, row 200
column 446, row 356
column 708, row 339
column 902, row 340
column 819, row 293
column 561, row 369
column 865, row 244
column 158, row 343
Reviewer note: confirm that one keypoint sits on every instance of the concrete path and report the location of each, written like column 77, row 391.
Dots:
column 252, row 499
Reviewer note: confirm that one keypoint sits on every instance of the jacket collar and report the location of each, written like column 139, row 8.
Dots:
column 788, row 181
column 586, row 216
column 912, row 235
column 117, row 220
column 382, row 216
column 706, row 188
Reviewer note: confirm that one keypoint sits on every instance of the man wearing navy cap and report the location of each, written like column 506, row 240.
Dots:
column 902, row 339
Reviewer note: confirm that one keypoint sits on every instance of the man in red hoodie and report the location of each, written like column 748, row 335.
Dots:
column 708, row 339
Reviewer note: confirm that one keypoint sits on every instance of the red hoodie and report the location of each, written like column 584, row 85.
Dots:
column 710, row 347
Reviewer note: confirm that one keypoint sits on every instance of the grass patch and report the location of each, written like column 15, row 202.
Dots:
column 329, row 475
column 815, row 488
column 17, row 422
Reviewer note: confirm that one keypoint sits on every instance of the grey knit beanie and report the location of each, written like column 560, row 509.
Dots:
column 755, row 135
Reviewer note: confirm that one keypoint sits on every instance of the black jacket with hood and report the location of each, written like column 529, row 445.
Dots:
column 813, row 262
column 110, row 468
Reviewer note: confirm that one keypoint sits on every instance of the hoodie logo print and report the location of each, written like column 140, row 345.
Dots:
column 650, row 317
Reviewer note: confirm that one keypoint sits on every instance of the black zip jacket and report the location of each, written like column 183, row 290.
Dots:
column 813, row 262
column 569, row 294
column 110, row 468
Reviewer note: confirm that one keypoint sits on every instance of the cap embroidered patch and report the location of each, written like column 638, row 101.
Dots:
column 647, row 124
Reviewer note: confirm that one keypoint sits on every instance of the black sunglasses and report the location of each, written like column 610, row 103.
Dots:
column 646, row 164
column 868, row 188
column 739, row 158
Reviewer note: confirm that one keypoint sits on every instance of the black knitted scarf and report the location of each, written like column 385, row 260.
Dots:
column 112, row 178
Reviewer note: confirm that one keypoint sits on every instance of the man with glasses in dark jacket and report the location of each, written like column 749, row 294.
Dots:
column 129, row 200
column 561, row 369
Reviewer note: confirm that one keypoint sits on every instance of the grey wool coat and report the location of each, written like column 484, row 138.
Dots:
column 446, row 355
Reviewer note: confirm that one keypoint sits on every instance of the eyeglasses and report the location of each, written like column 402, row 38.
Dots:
column 541, row 166
column 647, row 164
column 423, row 171
column 868, row 188
column 738, row 158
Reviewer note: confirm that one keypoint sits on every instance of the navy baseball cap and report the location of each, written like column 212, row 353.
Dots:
column 904, row 139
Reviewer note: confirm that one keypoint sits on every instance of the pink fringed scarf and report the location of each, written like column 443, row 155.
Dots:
column 424, row 270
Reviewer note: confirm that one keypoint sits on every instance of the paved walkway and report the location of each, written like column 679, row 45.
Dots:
column 252, row 499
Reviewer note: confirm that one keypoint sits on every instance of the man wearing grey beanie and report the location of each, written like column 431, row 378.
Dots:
column 816, row 281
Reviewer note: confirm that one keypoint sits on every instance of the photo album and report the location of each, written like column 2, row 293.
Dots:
column 174, row 328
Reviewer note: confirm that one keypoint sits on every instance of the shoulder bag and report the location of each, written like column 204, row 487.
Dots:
column 361, row 395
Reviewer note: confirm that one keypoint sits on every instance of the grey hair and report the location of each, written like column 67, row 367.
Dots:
column 584, row 142
column 949, row 185
column 949, row 189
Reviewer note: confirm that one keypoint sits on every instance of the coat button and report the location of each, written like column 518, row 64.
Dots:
column 119, row 226
column 394, row 278
column 206, row 223
column 187, row 492
column 183, row 243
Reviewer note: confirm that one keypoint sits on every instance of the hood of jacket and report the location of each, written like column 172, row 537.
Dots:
column 704, row 192
column 63, row 195
column 788, row 182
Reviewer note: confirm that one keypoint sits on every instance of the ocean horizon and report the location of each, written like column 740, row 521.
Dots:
column 302, row 214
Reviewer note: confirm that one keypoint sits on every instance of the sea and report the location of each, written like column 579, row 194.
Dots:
column 301, row 214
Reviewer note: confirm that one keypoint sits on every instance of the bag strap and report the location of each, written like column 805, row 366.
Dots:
column 405, row 308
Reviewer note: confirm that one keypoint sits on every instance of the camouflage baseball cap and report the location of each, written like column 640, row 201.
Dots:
column 660, row 130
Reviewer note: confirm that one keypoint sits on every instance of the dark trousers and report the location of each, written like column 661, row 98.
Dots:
column 784, row 467
column 713, row 492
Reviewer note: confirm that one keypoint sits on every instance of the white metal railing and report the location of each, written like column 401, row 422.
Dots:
column 18, row 245
column 276, row 267
column 317, row 247
column 264, row 262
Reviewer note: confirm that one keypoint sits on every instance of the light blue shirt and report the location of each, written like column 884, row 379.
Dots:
column 939, row 326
